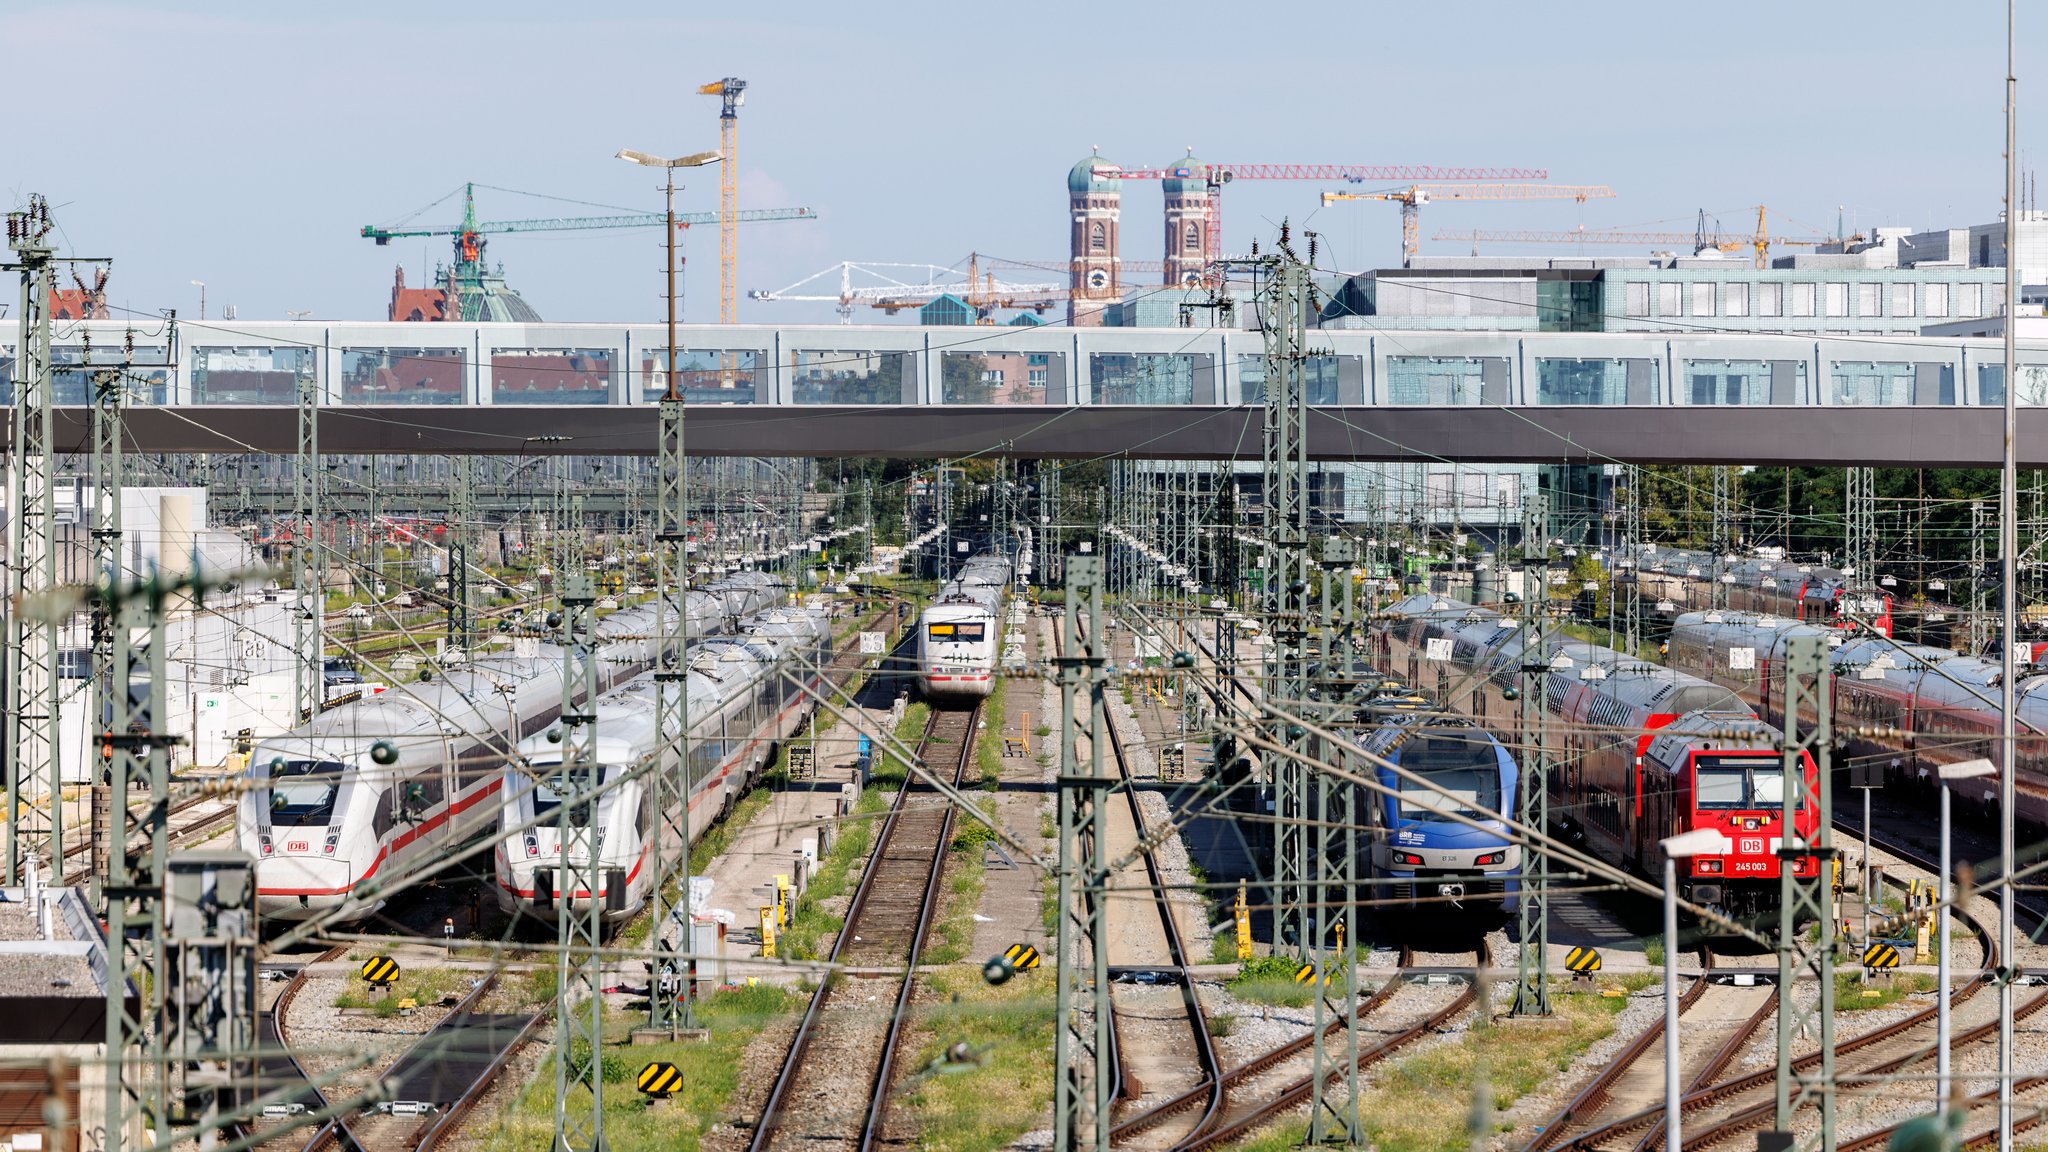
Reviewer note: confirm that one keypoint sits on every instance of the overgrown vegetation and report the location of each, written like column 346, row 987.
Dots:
column 711, row 1071
column 1270, row 980
column 1853, row 995
column 1001, row 1089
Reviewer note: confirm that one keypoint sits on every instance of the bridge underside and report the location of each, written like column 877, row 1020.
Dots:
column 1886, row 437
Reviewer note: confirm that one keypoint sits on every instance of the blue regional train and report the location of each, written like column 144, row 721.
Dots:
column 1420, row 852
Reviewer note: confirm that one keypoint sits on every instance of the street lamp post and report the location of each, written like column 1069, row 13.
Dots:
column 1700, row 842
column 671, row 687
column 1963, row 770
column 201, row 285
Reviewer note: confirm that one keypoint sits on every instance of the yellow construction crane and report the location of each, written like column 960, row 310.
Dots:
column 731, row 92
column 1413, row 197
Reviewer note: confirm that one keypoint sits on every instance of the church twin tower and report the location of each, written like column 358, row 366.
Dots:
column 1096, row 196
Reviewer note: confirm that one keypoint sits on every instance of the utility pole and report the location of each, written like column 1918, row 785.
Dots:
column 309, row 687
column 31, row 724
column 1532, row 974
column 579, row 1014
column 1976, row 626
column 1083, row 1088
column 1335, row 1112
column 1809, row 899
column 2008, row 571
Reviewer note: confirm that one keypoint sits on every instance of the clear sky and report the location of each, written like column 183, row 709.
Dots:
column 244, row 143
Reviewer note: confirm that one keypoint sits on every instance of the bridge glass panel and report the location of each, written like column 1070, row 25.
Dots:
column 1142, row 377
column 551, row 375
column 1002, row 377
column 1727, row 381
column 705, row 375
column 1870, row 383
column 72, row 367
column 6, row 374
column 852, row 377
column 250, row 375
column 1318, row 378
column 403, row 375
column 2033, row 390
column 1437, row 380
column 1613, row 381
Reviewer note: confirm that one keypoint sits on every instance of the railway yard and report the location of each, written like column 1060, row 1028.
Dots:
column 1572, row 703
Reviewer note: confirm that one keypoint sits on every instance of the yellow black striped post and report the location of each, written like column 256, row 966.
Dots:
column 1306, row 974
column 380, row 970
column 1880, row 956
column 1021, row 957
column 1583, row 962
column 661, row 1079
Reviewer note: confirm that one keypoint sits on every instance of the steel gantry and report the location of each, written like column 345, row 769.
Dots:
column 31, row 670
column 1532, row 967
column 1724, row 532
column 1860, row 538
column 108, row 671
column 1805, row 953
column 579, row 1013
column 1084, row 1088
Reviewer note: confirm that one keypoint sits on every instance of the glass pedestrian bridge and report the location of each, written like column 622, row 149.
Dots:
column 1051, row 391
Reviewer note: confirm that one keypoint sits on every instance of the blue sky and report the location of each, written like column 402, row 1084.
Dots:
column 245, row 143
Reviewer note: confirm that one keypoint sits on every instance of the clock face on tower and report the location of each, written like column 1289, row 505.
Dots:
column 1098, row 279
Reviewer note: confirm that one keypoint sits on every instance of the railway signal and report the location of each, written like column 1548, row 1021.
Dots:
column 381, row 971
column 1583, row 962
column 1881, row 956
column 1021, row 957
column 661, row 1080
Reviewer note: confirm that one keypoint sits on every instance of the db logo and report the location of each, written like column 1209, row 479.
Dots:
column 297, row 846
column 1752, row 846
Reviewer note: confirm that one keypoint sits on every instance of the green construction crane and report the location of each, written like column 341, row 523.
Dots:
column 469, row 235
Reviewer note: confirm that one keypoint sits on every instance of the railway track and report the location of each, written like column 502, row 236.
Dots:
column 1200, row 1104
column 846, row 1050
column 279, row 1069
column 434, row 1083
column 1719, row 1111
column 1633, row 1082
column 1263, row 1090
column 78, row 857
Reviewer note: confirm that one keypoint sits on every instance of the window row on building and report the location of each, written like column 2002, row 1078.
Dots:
column 1804, row 299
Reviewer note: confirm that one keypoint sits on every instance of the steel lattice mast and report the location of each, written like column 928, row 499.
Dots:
column 31, row 723
column 1808, row 731
column 1083, row 1089
column 309, row 680
column 579, row 1012
column 1532, row 966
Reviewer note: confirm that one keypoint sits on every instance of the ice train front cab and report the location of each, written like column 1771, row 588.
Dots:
column 528, row 861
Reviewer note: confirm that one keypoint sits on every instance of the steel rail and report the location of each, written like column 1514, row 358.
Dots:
column 1209, row 1065
column 1301, row 1089
column 1595, row 1095
column 772, row 1112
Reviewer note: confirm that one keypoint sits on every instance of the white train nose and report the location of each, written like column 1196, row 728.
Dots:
column 294, row 887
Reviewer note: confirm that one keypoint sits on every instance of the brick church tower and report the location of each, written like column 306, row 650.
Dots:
column 1096, row 270
column 1188, row 209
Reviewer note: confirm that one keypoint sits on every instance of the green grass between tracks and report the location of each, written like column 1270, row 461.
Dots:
column 1423, row 1102
column 711, row 1072
column 1009, row 1030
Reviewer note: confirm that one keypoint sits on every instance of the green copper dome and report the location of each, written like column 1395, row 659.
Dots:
column 1082, row 180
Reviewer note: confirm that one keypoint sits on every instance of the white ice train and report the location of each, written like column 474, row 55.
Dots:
column 741, row 706
column 324, row 819
column 960, row 633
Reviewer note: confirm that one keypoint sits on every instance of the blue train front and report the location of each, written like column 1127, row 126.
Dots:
column 1436, row 841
